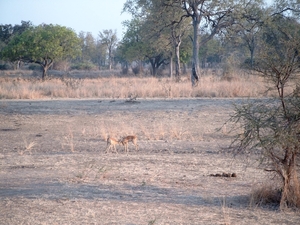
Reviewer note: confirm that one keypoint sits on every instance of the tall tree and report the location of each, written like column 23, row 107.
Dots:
column 249, row 22
column 156, row 44
column 214, row 15
column 88, row 46
column 43, row 45
column 109, row 39
column 169, row 20
column 132, row 47
column 155, row 30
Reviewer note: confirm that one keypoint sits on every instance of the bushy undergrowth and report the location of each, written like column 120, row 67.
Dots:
column 27, row 87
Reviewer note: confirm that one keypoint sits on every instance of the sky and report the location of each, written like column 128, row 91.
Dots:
column 80, row 15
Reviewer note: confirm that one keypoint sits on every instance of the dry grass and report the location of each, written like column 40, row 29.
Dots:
column 265, row 195
column 69, row 141
column 166, row 182
column 24, row 86
column 27, row 147
column 225, row 212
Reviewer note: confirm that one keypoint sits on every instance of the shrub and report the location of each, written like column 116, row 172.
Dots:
column 5, row 67
column 265, row 195
column 34, row 66
column 84, row 66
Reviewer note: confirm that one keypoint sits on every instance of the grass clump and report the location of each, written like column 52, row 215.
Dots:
column 265, row 195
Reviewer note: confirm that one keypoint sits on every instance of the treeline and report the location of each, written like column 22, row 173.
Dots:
column 177, row 34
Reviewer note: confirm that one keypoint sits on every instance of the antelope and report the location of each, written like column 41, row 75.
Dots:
column 127, row 139
column 111, row 142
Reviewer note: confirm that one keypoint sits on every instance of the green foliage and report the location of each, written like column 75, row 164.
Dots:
column 43, row 45
column 88, row 47
column 5, row 66
column 132, row 48
column 149, row 34
column 52, row 42
column 7, row 31
column 211, row 51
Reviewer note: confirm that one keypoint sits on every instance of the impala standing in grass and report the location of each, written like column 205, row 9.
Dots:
column 127, row 139
column 111, row 142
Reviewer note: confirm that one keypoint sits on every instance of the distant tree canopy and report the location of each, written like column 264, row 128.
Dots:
column 43, row 45
column 190, row 33
column 163, row 27
column 7, row 31
column 108, row 38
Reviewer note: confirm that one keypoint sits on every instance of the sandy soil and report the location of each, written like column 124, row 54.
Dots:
column 54, row 169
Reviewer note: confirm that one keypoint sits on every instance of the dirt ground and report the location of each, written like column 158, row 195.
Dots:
column 54, row 169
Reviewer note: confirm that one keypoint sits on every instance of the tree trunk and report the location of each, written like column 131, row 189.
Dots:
column 177, row 63
column 156, row 62
column 110, row 63
column 171, row 65
column 252, row 57
column 251, row 48
column 153, row 68
column 184, row 69
column 195, row 64
column 290, row 191
column 46, row 65
column 45, row 70
column 110, row 58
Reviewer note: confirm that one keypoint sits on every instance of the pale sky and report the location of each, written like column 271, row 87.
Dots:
column 80, row 15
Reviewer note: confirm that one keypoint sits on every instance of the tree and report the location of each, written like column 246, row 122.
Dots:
column 248, row 25
column 43, row 45
column 214, row 15
column 210, row 53
column 185, row 53
column 132, row 47
column 7, row 32
column 164, row 28
column 273, row 127
column 153, row 42
column 166, row 17
column 88, row 46
column 109, row 39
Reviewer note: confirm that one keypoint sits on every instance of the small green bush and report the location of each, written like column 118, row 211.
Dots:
column 5, row 67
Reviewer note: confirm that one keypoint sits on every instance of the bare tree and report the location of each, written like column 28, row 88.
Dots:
column 273, row 126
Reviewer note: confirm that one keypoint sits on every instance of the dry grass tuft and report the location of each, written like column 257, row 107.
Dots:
column 68, row 140
column 265, row 195
column 28, row 146
column 225, row 212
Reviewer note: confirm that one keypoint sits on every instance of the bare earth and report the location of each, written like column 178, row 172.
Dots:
column 54, row 170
